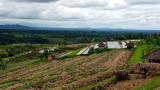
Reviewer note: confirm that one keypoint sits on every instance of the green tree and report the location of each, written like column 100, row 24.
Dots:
column 44, row 54
column 41, row 55
column 3, row 64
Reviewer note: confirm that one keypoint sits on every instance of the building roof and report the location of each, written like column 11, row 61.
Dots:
column 101, row 44
column 96, row 46
column 52, row 55
column 155, row 55
column 130, row 44
column 35, row 49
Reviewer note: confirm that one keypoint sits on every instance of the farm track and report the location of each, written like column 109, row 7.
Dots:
column 67, row 74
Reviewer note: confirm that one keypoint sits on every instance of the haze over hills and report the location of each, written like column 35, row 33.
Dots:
column 24, row 27
column 15, row 26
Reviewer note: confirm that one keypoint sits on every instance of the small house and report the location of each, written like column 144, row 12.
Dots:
column 51, row 56
column 153, row 56
column 35, row 49
column 102, row 45
column 130, row 45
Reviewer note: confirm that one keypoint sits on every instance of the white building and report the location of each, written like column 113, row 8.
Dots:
column 116, row 44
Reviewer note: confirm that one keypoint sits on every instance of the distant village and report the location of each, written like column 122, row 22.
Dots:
column 101, row 45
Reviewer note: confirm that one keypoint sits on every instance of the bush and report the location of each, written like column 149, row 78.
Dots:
column 102, row 50
column 4, row 54
column 67, row 48
column 3, row 64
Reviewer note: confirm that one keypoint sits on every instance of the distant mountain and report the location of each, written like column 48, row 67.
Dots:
column 22, row 27
column 16, row 26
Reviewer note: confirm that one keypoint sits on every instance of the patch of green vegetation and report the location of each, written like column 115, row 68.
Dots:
column 83, row 75
column 22, row 80
column 69, row 67
column 26, row 65
column 104, row 58
column 10, row 84
column 71, row 55
column 138, row 53
column 20, row 59
column 150, row 86
column 98, row 84
column 72, row 72
column 103, row 50
column 10, row 80
column 102, row 70
column 32, row 84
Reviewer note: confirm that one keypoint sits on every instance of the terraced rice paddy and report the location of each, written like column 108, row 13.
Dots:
column 81, row 72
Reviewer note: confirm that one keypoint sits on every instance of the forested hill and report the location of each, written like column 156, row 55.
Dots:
column 8, row 36
column 16, row 26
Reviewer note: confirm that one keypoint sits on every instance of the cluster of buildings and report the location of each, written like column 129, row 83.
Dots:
column 115, row 45
column 101, row 45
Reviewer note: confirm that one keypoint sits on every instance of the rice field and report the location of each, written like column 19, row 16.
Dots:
column 138, row 53
column 71, row 73
column 93, row 72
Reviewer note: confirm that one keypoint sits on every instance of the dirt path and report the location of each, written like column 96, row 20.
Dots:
column 130, row 84
column 117, row 60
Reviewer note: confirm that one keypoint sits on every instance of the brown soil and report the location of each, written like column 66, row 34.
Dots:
column 130, row 84
column 84, row 82
column 117, row 60
column 83, row 64
column 57, row 66
column 158, row 88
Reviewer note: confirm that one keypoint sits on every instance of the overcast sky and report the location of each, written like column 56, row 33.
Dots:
column 133, row 14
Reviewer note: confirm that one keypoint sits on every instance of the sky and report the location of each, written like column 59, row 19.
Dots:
column 126, row 14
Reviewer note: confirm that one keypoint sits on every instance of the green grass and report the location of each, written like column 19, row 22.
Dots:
column 71, row 55
column 138, row 53
column 32, row 84
column 98, row 84
column 150, row 86
column 23, row 66
column 74, row 52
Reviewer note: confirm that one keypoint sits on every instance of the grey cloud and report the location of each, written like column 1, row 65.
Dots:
column 143, row 1
column 84, row 3
column 37, row 1
column 95, row 4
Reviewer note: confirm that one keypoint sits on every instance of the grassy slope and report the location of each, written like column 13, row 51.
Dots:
column 152, row 85
column 138, row 53
column 71, row 55
column 136, row 58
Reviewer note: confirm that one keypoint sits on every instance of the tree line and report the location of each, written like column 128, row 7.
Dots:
column 68, row 37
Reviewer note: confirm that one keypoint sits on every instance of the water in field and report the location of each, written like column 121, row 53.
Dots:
column 116, row 44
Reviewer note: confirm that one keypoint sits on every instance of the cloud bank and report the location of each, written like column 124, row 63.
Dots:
column 134, row 14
